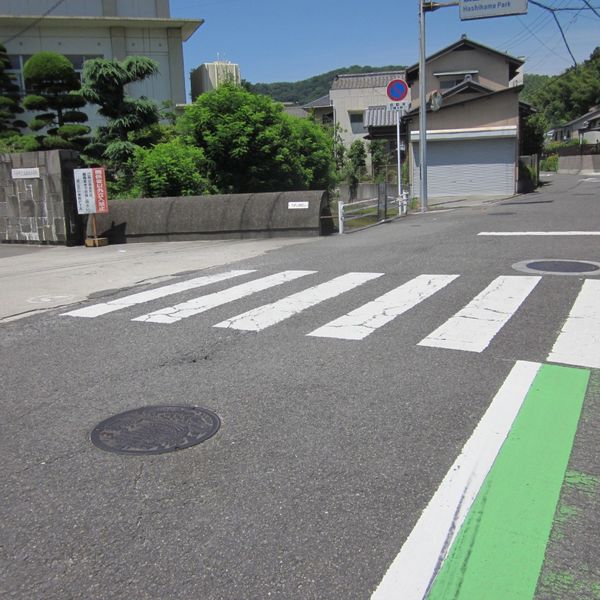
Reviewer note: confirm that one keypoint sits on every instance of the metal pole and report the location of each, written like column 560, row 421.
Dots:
column 340, row 216
column 422, row 110
column 398, row 153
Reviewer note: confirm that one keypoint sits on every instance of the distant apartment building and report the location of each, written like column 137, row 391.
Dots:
column 210, row 76
column 101, row 28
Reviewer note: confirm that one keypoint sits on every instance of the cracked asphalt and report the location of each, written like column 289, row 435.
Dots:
column 328, row 450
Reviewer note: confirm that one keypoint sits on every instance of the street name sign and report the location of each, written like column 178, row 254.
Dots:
column 485, row 9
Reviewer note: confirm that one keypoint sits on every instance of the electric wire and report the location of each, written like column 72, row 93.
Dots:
column 32, row 25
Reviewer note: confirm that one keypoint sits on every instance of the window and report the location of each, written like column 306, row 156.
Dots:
column 356, row 122
column 447, row 83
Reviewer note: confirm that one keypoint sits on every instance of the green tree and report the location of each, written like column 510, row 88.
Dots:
column 53, row 87
column 10, row 104
column 170, row 169
column 104, row 85
column 356, row 168
column 572, row 94
column 251, row 145
column 379, row 158
column 533, row 130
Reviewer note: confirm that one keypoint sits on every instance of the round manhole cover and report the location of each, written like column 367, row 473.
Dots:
column 155, row 429
column 557, row 266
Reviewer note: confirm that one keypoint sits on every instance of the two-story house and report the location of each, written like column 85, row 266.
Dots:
column 473, row 137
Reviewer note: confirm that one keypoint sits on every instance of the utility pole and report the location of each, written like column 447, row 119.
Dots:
column 422, row 111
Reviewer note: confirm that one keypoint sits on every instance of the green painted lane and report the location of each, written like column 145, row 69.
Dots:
column 499, row 551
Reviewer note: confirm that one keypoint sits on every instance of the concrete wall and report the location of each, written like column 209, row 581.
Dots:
column 575, row 165
column 220, row 216
column 40, row 210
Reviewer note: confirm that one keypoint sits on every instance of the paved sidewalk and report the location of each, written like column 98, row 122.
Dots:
column 38, row 278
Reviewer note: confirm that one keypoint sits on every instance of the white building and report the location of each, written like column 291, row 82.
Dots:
column 101, row 29
column 210, row 76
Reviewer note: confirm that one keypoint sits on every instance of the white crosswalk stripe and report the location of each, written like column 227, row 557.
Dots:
column 579, row 341
column 269, row 314
column 359, row 323
column 103, row 308
column 473, row 328
column 172, row 314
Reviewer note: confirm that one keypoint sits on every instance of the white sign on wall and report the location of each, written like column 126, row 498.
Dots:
column 296, row 205
column 484, row 9
column 28, row 173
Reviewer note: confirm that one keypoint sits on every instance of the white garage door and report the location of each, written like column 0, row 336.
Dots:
column 468, row 168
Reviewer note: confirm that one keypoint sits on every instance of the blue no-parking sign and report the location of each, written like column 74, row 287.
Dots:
column 397, row 90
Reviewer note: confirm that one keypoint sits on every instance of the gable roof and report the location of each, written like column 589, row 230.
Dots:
column 464, row 43
column 322, row 102
column 488, row 94
column 354, row 81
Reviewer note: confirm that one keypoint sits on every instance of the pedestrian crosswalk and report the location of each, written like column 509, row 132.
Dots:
column 470, row 329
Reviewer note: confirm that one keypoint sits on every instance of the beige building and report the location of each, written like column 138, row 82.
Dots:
column 101, row 28
column 473, row 139
column 210, row 76
column 352, row 94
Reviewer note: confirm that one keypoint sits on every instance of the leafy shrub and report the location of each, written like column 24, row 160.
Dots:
column 550, row 163
column 553, row 147
column 170, row 169
column 18, row 143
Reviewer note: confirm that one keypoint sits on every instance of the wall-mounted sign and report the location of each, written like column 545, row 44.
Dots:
column 292, row 205
column 90, row 188
column 484, row 9
column 29, row 173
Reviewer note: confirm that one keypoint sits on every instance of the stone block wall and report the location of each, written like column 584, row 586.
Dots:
column 40, row 210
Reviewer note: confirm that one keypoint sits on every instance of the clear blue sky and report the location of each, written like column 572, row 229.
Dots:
column 280, row 40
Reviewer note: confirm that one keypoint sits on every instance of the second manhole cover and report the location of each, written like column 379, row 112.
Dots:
column 557, row 266
column 155, row 429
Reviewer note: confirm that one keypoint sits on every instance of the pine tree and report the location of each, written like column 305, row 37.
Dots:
column 54, row 91
column 10, row 104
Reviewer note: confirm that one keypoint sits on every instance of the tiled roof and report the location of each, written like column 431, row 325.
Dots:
column 464, row 42
column 356, row 81
column 379, row 116
column 322, row 102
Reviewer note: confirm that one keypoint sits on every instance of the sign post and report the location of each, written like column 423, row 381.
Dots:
column 92, row 198
column 397, row 92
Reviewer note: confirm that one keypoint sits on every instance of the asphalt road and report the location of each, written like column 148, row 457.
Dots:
column 329, row 449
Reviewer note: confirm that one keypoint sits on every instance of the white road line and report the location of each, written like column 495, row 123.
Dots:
column 411, row 573
column 538, row 233
column 359, row 323
column 473, row 328
column 579, row 340
column 107, row 307
column 269, row 314
column 172, row 314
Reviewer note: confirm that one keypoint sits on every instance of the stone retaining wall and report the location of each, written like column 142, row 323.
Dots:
column 39, row 208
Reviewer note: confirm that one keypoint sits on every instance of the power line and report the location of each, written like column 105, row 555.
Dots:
column 562, row 33
column 592, row 8
column 31, row 25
